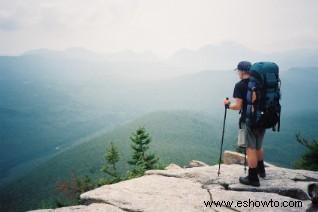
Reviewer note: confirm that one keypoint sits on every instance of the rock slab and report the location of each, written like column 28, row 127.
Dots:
column 194, row 189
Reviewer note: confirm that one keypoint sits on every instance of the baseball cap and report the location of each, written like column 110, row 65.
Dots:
column 243, row 66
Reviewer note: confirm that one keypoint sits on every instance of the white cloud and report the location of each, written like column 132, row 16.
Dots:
column 161, row 26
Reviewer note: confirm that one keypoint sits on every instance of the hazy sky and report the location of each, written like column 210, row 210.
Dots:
column 161, row 26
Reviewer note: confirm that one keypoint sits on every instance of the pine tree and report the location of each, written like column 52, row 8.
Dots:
column 309, row 160
column 141, row 160
column 112, row 157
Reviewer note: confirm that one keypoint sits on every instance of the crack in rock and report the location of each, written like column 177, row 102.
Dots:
column 91, row 201
column 306, row 179
column 211, row 198
column 164, row 174
column 209, row 192
column 295, row 193
column 225, row 186
column 289, row 192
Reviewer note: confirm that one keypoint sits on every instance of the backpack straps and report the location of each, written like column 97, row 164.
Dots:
column 278, row 123
column 279, row 86
column 240, row 121
column 274, row 128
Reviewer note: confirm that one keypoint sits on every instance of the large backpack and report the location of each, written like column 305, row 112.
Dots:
column 263, row 94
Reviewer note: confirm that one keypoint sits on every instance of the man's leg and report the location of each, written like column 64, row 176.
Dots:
column 251, row 151
column 260, row 163
column 259, row 134
column 247, row 137
column 252, row 178
column 252, row 157
column 260, row 154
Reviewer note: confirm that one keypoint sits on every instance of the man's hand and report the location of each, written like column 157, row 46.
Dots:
column 236, row 105
column 226, row 102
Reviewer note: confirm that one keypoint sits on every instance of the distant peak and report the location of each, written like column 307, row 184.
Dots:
column 39, row 51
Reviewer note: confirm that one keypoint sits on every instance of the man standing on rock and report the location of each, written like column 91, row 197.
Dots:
column 251, row 139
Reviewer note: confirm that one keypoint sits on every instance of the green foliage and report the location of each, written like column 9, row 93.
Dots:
column 160, row 165
column 71, row 189
column 52, row 203
column 141, row 160
column 84, row 184
column 137, row 171
column 309, row 160
column 112, row 157
column 104, row 181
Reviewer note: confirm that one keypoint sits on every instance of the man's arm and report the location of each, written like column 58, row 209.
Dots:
column 237, row 105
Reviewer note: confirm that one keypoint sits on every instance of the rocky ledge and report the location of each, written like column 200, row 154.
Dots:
column 195, row 187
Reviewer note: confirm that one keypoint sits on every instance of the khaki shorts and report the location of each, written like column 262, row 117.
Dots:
column 250, row 138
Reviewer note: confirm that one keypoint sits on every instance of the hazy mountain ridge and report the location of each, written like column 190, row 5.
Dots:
column 227, row 55
column 211, row 57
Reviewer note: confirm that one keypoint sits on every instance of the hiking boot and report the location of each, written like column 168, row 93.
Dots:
column 261, row 169
column 251, row 178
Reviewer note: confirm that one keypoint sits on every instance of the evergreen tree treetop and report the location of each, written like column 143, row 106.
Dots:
column 141, row 159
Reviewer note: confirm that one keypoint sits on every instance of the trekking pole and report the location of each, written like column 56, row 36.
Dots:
column 222, row 137
column 245, row 162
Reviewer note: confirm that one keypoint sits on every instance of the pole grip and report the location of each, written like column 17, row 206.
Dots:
column 226, row 106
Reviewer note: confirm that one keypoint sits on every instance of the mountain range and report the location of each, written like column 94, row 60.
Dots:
column 147, row 65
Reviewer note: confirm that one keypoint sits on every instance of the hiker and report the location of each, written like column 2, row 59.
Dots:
column 249, row 138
